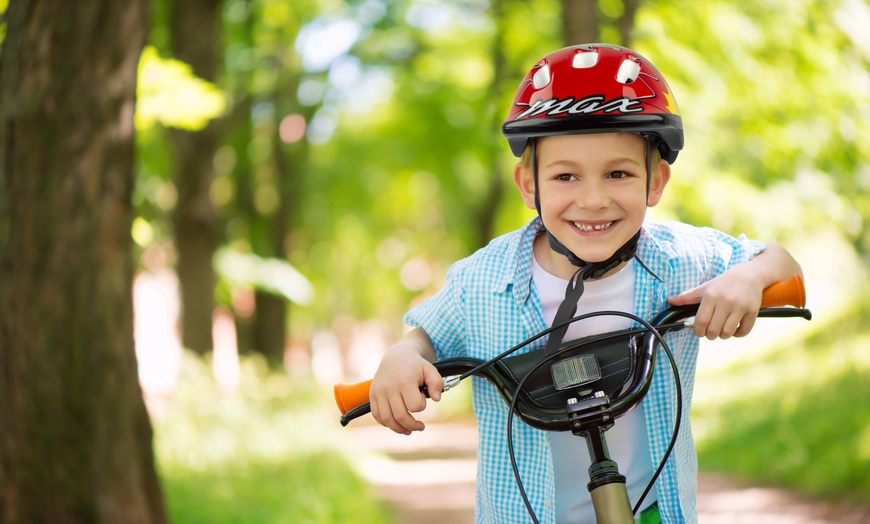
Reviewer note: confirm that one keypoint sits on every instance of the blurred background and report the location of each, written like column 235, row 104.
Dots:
column 307, row 170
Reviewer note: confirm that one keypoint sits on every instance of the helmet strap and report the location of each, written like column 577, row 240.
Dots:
column 533, row 144
column 586, row 271
column 647, row 151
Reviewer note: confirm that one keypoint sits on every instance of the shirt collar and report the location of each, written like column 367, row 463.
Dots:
column 651, row 257
column 517, row 275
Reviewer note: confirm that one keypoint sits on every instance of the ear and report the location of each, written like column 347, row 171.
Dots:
column 661, row 176
column 524, row 182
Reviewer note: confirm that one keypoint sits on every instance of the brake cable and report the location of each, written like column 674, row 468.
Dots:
column 648, row 328
column 554, row 327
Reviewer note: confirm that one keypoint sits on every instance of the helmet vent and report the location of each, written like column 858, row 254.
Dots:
column 542, row 77
column 585, row 60
column 628, row 72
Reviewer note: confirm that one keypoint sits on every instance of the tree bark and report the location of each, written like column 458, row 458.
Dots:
column 580, row 22
column 75, row 439
column 195, row 36
column 289, row 162
column 487, row 210
column 625, row 23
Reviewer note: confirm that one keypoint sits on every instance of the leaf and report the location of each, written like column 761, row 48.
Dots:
column 169, row 93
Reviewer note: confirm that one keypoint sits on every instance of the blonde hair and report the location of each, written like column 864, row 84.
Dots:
column 526, row 159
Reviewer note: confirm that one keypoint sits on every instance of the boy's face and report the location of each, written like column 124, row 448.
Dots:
column 592, row 191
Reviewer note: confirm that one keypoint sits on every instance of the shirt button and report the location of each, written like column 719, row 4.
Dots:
column 548, row 503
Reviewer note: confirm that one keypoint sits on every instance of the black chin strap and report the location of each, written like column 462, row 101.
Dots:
column 597, row 269
column 586, row 271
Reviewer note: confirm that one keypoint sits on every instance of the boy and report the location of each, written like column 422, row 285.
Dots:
column 597, row 128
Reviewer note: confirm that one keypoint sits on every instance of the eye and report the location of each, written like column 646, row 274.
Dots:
column 619, row 175
column 564, row 177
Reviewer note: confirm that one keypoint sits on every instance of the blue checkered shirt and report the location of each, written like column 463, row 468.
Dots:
column 489, row 304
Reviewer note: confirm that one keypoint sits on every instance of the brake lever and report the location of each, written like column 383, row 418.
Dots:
column 449, row 383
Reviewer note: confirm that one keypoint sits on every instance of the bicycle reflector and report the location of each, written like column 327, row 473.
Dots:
column 573, row 372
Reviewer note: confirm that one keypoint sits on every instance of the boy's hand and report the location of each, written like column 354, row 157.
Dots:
column 395, row 390
column 729, row 304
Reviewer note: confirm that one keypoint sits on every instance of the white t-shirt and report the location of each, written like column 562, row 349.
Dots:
column 626, row 440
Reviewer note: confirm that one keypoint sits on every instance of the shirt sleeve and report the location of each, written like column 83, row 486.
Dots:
column 442, row 317
column 724, row 251
column 699, row 254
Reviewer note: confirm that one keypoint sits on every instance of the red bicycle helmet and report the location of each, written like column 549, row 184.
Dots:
column 595, row 88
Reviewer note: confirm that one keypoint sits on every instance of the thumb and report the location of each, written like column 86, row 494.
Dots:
column 690, row 296
column 434, row 382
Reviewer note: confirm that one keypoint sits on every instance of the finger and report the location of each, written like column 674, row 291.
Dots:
column 414, row 400
column 746, row 325
column 716, row 324
column 689, row 296
column 723, row 323
column 713, row 331
column 702, row 319
column 394, row 414
column 730, row 326
column 373, row 406
column 405, row 420
column 384, row 416
column 434, row 382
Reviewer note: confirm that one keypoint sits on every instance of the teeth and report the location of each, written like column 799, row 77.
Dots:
column 596, row 227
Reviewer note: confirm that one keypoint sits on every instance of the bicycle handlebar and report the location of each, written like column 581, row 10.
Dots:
column 352, row 399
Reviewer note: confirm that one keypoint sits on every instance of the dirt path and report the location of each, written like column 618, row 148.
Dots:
column 722, row 500
column 429, row 478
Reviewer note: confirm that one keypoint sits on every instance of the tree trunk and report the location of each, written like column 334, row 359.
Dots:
column 75, row 439
column 580, row 21
column 270, row 327
column 290, row 163
column 625, row 24
column 195, row 30
column 487, row 210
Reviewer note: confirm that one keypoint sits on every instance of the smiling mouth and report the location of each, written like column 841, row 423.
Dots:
column 593, row 227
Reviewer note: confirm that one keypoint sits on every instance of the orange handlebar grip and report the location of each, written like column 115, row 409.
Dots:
column 349, row 396
column 789, row 292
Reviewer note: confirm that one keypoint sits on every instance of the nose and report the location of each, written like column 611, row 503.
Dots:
column 592, row 195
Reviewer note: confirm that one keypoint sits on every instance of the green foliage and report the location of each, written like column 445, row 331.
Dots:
column 168, row 92
column 314, row 489
column 402, row 149
column 410, row 162
column 4, row 4
column 775, row 102
column 402, row 146
column 265, row 453
column 775, row 145
column 272, row 275
column 794, row 418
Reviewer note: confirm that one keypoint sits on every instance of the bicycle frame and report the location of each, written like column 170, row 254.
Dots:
column 591, row 415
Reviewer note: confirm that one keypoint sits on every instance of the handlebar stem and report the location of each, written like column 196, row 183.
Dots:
column 590, row 413
column 596, row 444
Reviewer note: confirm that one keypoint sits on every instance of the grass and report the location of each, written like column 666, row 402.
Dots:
column 798, row 417
column 269, row 452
